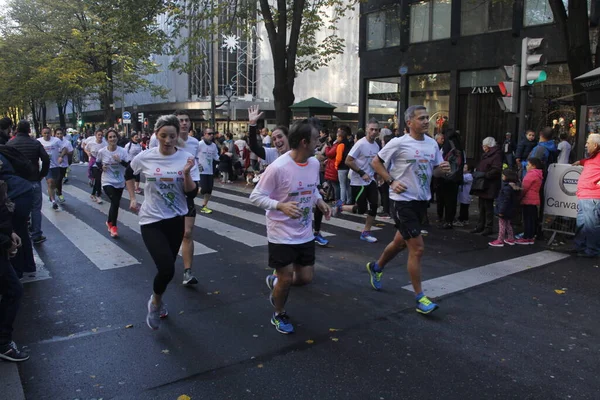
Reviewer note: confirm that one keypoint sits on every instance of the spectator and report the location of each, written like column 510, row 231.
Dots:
column 225, row 165
column 464, row 196
column 564, row 149
column 447, row 187
column 508, row 149
column 523, row 149
column 530, row 200
column 486, row 185
column 587, row 239
column 341, row 152
column 266, row 139
column 5, row 129
column 546, row 149
column 331, row 171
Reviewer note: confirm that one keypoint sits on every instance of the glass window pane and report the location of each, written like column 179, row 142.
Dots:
column 441, row 19
column 419, row 22
column 432, row 91
column 537, row 12
column 474, row 17
column 375, row 30
column 500, row 15
column 486, row 77
column 392, row 31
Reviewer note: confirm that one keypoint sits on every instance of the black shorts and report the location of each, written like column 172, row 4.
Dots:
column 408, row 216
column 363, row 194
column 191, row 207
column 53, row 173
column 206, row 183
column 282, row 255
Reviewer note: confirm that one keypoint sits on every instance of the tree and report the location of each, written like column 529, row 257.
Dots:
column 293, row 28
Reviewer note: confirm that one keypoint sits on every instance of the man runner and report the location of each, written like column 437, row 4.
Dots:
column 207, row 153
column 288, row 191
column 56, row 151
column 411, row 160
column 64, row 165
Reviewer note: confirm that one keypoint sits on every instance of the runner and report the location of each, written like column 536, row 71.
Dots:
column 362, row 180
column 207, row 153
column 170, row 177
column 412, row 160
column 92, row 146
column 112, row 160
column 187, row 246
column 133, row 149
column 56, row 151
column 288, row 191
column 64, row 165
column 280, row 138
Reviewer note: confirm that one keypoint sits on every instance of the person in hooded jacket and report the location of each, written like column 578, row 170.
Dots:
column 490, row 171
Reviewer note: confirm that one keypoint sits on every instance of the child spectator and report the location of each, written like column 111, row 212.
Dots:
column 564, row 149
column 464, row 197
column 225, row 164
column 523, row 150
column 505, row 207
column 530, row 199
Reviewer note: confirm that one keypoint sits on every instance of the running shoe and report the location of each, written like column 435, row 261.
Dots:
column 510, row 242
column 99, row 200
column 94, row 198
column 458, row 223
column 38, row 240
column 66, row 180
column 426, row 306
column 108, row 225
column 282, row 323
column 188, row 278
column 10, row 352
column 205, row 210
column 162, row 311
column 367, row 237
column 55, row 206
column 338, row 207
column 153, row 317
column 61, row 198
column 497, row 243
column 114, row 233
column 320, row 240
column 375, row 277
column 525, row 241
column 138, row 191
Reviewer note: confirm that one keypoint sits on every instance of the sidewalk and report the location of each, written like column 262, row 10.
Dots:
column 10, row 381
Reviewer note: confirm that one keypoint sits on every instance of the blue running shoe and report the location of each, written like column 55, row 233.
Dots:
column 282, row 323
column 338, row 207
column 375, row 277
column 367, row 237
column 320, row 240
column 426, row 306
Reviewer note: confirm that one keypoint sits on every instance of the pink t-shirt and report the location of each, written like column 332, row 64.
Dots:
column 284, row 180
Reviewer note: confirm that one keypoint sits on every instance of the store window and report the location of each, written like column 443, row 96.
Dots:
column 430, row 20
column 481, row 16
column 432, row 91
column 383, row 100
column 538, row 12
column 383, row 29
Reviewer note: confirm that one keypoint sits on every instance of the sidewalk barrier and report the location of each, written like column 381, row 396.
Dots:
column 560, row 200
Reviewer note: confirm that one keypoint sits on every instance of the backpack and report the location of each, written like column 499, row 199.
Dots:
column 21, row 164
column 456, row 159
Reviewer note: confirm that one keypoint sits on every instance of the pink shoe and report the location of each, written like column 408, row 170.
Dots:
column 524, row 241
column 510, row 242
column 497, row 243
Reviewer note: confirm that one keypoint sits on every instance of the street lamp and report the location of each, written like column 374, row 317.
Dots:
column 228, row 92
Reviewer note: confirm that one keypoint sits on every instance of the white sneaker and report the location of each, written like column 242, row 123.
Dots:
column 153, row 316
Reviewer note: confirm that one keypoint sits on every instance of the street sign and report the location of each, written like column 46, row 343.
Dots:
column 126, row 115
column 403, row 70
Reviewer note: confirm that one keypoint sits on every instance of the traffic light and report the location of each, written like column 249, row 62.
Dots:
column 509, row 102
column 145, row 122
column 529, row 59
column 80, row 122
column 141, row 117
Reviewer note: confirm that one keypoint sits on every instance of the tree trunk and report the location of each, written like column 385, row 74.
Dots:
column 43, row 113
column 36, row 122
column 108, row 96
column 283, row 94
column 61, row 114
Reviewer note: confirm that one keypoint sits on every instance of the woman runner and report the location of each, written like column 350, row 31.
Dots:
column 171, row 175
column 92, row 147
column 133, row 149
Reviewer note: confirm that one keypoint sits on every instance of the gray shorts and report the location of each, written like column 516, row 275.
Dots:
column 53, row 173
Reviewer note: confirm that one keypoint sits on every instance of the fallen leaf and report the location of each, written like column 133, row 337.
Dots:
column 334, row 330
column 184, row 397
column 93, row 376
column 216, row 292
column 309, row 341
column 334, row 339
column 260, row 365
column 129, row 326
column 165, row 351
column 94, row 330
column 180, row 312
column 558, row 291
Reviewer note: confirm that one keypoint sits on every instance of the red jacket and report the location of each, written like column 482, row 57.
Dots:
column 330, row 169
column 531, row 187
column 587, row 187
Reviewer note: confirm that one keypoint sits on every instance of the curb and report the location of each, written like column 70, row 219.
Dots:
column 10, row 381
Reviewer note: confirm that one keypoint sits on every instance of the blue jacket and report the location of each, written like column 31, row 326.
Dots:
column 506, row 201
column 17, row 186
column 545, row 151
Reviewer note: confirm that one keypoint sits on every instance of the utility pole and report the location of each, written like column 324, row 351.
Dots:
column 123, row 97
column 211, row 72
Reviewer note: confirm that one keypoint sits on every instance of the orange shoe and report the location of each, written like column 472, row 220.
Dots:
column 113, row 232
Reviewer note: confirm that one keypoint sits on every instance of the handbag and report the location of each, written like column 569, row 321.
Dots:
column 478, row 182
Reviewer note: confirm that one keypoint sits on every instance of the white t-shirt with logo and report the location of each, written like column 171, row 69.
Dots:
column 53, row 147
column 411, row 162
column 283, row 181
column 66, row 144
column 114, row 175
column 564, row 149
column 94, row 147
column 206, row 154
column 164, row 194
column 133, row 149
column 363, row 153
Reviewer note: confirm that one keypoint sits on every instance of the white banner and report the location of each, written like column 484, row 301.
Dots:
column 560, row 191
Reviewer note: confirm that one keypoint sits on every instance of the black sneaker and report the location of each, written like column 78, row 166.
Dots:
column 10, row 352
column 39, row 239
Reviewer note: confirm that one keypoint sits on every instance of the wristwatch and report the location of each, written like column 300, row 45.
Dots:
column 390, row 181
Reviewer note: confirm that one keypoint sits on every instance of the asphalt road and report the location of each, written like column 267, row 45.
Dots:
column 514, row 337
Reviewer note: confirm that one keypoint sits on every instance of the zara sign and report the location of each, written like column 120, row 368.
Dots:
column 484, row 90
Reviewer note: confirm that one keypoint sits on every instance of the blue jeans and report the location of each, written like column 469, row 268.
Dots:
column 36, row 211
column 587, row 238
column 345, row 193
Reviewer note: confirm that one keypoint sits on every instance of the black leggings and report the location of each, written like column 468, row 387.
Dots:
column 447, row 193
column 163, row 239
column 530, row 221
column 114, row 195
column 318, row 218
column 97, row 188
column 61, row 177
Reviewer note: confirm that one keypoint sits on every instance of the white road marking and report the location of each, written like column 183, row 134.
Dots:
column 126, row 218
column 447, row 284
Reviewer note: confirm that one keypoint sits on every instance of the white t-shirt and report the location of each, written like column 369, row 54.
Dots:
column 115, row 174
column 191, row 146
column 464, row 195
column 94, row 147
column 412, row 165
column 206, row 154
column 66, row 143
column 564, row 149
column 153, row 141
column 164, row 194
column 363, row 153
column 241, row 145
column 53, row 147
column 283, row 181
column 266, row 141
column 133, row 149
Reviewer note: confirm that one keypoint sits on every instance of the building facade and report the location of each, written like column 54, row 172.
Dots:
column 448, row 54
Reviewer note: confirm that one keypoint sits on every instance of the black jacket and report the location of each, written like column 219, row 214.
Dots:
column 524, row 148
column 255, row 147
column 6, row 227
column 33, row 150
column 347, row 148
column 506, row 201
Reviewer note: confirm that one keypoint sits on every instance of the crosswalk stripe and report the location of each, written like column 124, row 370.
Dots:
column 222, row 229
column 126, row 218
column 98, row 249
column 41, row 273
